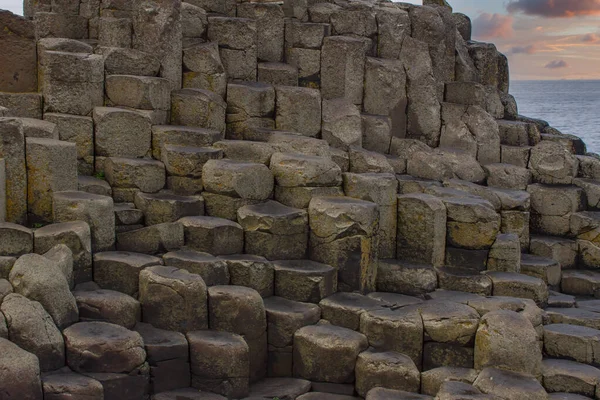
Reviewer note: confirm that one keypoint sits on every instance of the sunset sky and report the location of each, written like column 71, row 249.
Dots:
column 544, row 39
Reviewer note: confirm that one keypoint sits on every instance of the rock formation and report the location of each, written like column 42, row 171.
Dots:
column 289, row 199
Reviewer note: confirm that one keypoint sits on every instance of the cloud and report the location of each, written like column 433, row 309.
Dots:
column 487, row 26
column 555, row 8
column 590, row 38
column 557, row 64
column 531, row 49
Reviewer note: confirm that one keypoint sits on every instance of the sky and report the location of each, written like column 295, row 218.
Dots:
column 543, row 39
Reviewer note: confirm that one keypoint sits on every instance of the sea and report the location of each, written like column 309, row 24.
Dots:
column 570, row 106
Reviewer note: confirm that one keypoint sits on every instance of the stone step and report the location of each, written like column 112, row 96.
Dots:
column 517, row 133
column 108, row 306
column 574, row 316
column 127, row 214
column 139, row 92
column 581, row 283
column 507, row 176
column 198, row 108
column 588, row 304
column 432, row 380
column 411, row 279
column 509, row 384
column 276, row 73
column 110, row 122
column 177, row 135
column 592, row 191
column 274, row 231
column 560, row 300
column 304, row 280
column 37, row 128
column 544, row 268
column 519, row 285
column 567, row 396
column 251, row 271
column 344, row 309
column 573, row 342
column 91, row 184
column 572, row 143
column 127, row 176
column 561, row 375
column 213, row 271
column 563, row 250
column 280, row 388
column 66, row 383
column 165, row 207
column 466, row 280
column 203, row 68
column 119, row 271
column 217, row 236
column 246, row 150
column 390, row 369
column 188, row 393
column 184, row 165
column 153, row 239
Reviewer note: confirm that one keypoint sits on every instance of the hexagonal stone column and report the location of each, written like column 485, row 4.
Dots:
column 109, row 125
column 173, row 299
column 199, row 108
column 220, row 363
column 76, row 236
column 274, row 231
column 382, row 190
column 327, row 353
column 94, row 209
column 119, row 270
column 213, row 270
column 344, row 235
column 472, row 223
column 240, row 310
column 51, row 167
column 103, row 347
column 389, row 369
column 12, row 150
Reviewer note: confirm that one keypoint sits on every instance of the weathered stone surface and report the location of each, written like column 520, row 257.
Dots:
column 219, row 362
column 274, row 231
column 79, row 130
column 327, row 353
column 154, row 239
column 347, row 81
column 344, row 235
column 505, row 254
column 51, row 167
column 103, row 347
column 241, row 310
column 509, row 385
column 507, row 340
column 64, row 384
column 390, row 369
column 304, row 280
column 20, row 372
column 145, row 175
column 18, row 44
column 298, row 109
column 12, row 149
column 121, row 61
column 342, row 124
column 399, row 330
column 198, row 108
column 237, row 39
column 425, row 216
column 108, row 306
column 270, row 28
column 406, row 278
column 519, row 285
column 285, row 317
column 249, row 105
column 297, row 170
column 157, row 30
column 570, row 376
column 451, row 323
column 181, row 136
column 16, row 239
column 116, row 270
column 212, row 270
column 41, row 280
column 246, row 150
column 95, row 210
column 31, row 328
column 204, row 68
column 165, row 207
column 173, row 299
column 472, row 223
column 238, row 179
column 552, row 163
column 278, row 74
column 110, row 123
column 216, row 236
column 77, row 237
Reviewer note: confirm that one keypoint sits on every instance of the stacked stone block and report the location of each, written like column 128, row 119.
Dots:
column 281, row 180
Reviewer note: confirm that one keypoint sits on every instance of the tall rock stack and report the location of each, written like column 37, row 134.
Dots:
column 284, row 199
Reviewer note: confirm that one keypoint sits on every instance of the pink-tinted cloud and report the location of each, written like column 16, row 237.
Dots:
column 530, row 49
column 487, row 26
column 557, row 64
column 555, row 8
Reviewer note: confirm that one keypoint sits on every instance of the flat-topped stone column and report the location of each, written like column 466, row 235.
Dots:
column 344, row 235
